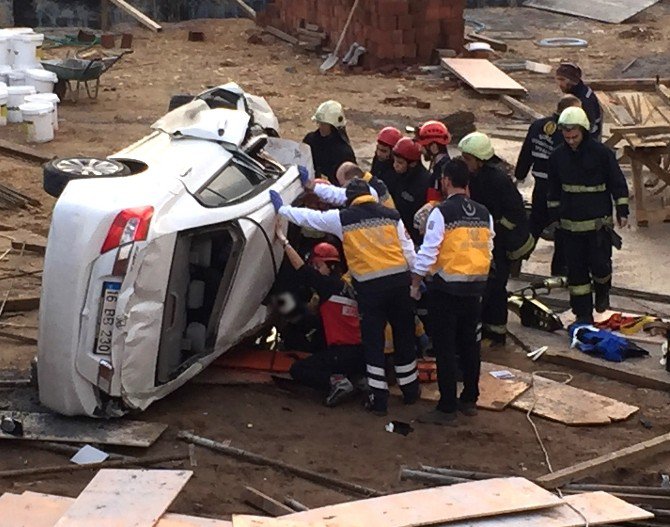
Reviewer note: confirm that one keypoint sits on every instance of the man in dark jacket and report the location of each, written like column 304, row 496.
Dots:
column 382, row 163
column 584, row 181
column 542, row 139
column 569, row 79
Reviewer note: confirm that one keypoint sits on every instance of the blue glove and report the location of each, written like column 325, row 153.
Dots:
column 276, row 200
column 304, row 175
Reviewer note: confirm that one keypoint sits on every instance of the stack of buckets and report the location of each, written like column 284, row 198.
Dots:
column 26, row 89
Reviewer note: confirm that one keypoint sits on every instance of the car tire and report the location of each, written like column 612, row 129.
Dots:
column 59, row 172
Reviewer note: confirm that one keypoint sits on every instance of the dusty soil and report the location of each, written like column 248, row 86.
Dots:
column 290, row 425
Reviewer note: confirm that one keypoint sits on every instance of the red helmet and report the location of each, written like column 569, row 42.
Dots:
column 389, row 136
column 325, row 252
column 407, row 149
column 433, row 132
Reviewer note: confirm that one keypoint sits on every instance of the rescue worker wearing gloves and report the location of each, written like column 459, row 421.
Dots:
column 491, row 187
column 584, row 180
column 329, row 143
column 457, row 251
column 329, row 370
column 413, row 180
column 569, row 80
column 542, row 139
column 382, row 162
column 379, row 255
column 345, row 174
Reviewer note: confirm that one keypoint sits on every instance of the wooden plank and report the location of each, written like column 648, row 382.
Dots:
column 496, row 44
column 125, row 498
column 265, row 503
column 137, row 15
column 611, row 461
column 24, row 152
column 26, row 303
column 475, row 499
column 246, row 8
column 642, row 130
column 483, row 76
column 520, row 108
column 643, row 84
column 281, row 35
column 610, row 11
column 597, row 507
column 51, row 427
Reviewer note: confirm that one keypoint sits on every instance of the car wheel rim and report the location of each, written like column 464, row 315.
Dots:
column 87, row 167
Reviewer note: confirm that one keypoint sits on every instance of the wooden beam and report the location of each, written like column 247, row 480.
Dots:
column 641, row 130
column 520, row 108
column 26, row 303
column 265, row 503
column 606, row 462
column 24, row 152
column 281, row 35
column 246, row 8
column 137, row 15
column 648, row 84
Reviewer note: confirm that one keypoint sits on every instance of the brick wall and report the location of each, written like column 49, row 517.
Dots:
column 393, row 31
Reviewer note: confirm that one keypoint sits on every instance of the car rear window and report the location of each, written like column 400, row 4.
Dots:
column 235, row 182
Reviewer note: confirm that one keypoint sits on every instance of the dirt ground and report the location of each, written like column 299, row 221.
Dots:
column 290, row 425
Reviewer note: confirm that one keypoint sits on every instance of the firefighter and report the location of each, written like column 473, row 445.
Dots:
column 457, row 251
column 409, row 192
column 569, row 80
column 329, row 143
column 542, row 139
column 584, row 180
column 382, row 163
column 345, row 174
column 331, row 370
column 379, row 254
column 491, row 187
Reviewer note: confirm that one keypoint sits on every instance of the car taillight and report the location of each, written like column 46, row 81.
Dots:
column 130, row 225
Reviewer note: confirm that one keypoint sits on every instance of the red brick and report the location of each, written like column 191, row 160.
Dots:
column 387, row 22
column 409, row 51
column 405, row 22
column 396, row 36
column 409, row 36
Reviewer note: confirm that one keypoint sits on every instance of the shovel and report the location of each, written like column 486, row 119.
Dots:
column 333, row 59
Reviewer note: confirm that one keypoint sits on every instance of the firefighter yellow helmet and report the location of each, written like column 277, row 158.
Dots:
column 574, row 116
column 478, row 145
column 330, row 112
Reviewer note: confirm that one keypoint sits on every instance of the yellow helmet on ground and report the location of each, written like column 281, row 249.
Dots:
column 574, row 116
column 330, row 112
column 478, row 145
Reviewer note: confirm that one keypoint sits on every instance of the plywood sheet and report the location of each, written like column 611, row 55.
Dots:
column 497, row 394
column 50, row 427
column 475, row 499
column 483, row 76
column 598, row 508
column 611, row 11
column 125, row 498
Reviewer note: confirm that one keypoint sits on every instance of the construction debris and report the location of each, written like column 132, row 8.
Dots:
column 602, row 10
column 483, row 76
column 136, row 14
column 525, row 111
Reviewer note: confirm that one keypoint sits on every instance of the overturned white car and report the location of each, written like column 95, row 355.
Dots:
column 159, row 258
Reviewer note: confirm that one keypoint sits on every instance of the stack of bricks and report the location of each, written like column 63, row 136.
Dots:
column 393, row 31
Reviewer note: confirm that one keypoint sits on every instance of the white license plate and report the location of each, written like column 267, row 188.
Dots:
column 110, row 296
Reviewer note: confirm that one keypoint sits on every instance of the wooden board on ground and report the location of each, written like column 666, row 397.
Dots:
column 50, row 427
column 477, row 499
column 24, row 152
column 483, row 76
column 610, row 461
column 125, row 498
column 137, row 15
column 610, row 11
column 597, row 507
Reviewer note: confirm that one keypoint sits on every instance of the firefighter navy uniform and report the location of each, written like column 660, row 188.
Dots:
column 457, row 252
column 583, row 185
column 542, row 139
column 409, row 195
column 379, row 254
column 491, row 187
column 591, row 107
column 434, row 193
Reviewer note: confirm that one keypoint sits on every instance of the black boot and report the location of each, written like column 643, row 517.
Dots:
column 602, row 300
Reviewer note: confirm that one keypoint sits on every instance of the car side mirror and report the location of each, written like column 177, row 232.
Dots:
column 255, row 145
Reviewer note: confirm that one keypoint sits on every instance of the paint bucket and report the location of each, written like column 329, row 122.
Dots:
column 37, row 117
column 4, row 96
column 52, row 99
column 16, row 78
column 4, row 73
column 17, row 96
column 43, row 80
column 27, row 50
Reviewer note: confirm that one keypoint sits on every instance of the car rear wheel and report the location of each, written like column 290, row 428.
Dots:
column 59, row 172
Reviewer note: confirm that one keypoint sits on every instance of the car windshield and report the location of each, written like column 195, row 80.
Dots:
column 236, row 181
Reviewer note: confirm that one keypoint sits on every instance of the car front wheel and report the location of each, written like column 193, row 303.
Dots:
column 59, row 172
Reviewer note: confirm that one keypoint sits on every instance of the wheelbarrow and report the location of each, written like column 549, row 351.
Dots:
column 73, row 72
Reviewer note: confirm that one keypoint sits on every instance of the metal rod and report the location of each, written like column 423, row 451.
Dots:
column 467, row 474
column 427, row 477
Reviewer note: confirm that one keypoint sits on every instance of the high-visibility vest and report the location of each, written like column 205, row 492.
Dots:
column 341, row 322
column 381, row 189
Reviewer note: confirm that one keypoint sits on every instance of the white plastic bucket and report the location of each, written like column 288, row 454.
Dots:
column 17, row 96
column 27, row 50
column 43, row 80
column 37, row 117
column 4, row 96
column 4, row 73
column 52, row 99
column 16, row 78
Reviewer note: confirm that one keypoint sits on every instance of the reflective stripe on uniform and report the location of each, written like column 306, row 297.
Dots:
column 375, row 370
column 523, row 250
column 506, row 223
column 379, row 274
column 553, row 204
column 478, row 332
column 580, row 290
column 586, row 225
column 379, row 385
column 540, row 175
column 452, row 278
column 604, row 280
column 407, row 368
column 402, row 381
column 622, row 201
column 579, row 189
column 499, row 330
